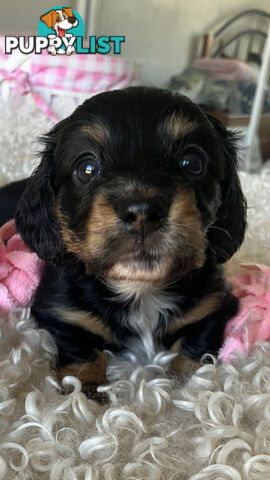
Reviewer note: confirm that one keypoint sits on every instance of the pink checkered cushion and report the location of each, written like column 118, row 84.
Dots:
column 78, row 75
column 83, row 73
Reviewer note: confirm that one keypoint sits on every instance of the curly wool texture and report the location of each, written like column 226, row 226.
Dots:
column 255, row 248
column 216, row 427
column 21, row 123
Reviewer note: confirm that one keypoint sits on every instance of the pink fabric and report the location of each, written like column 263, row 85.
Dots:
column 20, row 270
column 225, row 69
column 82, row 73
column 79, row 73
column 21, row 82
column 252, row 323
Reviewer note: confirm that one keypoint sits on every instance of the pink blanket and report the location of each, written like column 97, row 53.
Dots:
column 20, row 270
column 252, row 323
column 226, row 68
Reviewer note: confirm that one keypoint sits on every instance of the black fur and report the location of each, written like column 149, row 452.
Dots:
column 9, row 195
column 66, row 288
column 228, row 231
column 34, row 218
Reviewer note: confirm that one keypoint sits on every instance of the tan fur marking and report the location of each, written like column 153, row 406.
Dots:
column 184, row 220
column 178, row 126
column 90, row 372
column 132, row 272
column 86, row 320
column 96, row 132
column 70, row 239
column 183, row 366
column 131, row 290
column 101, row 225
column 207, row 305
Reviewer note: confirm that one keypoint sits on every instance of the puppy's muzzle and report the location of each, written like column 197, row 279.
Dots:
column 144, row 216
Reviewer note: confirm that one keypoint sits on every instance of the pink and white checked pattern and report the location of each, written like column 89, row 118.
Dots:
column 83, row 74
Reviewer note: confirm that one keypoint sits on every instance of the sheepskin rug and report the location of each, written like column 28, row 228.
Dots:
column 215, row 427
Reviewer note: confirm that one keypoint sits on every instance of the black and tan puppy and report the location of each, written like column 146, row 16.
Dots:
column 135, row 205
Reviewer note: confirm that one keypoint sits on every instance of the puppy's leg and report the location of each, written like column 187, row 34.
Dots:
column 91, row 374
column 182, row 366
column 204, row 336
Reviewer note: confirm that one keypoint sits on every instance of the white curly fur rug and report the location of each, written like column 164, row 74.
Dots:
column 216, row 427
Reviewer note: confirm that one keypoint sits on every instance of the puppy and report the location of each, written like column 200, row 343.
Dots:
column 60, row 20
column 135, row 206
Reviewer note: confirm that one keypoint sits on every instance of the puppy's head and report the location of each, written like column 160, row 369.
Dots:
column 60, row 20
column 139, row 185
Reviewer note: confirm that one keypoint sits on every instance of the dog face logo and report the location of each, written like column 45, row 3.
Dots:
column 62, row 26
column 60, row 20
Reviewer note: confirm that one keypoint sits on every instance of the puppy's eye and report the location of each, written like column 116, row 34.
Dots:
column 86, row 169
column 65, row 16
column 58, row 19
column 192, row 162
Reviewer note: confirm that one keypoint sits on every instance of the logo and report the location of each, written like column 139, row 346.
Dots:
column 61, row 32
column 61, row 27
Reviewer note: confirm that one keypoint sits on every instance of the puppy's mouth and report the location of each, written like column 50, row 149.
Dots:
column 142, row 264
column 142, row 259
column 61, row 31
column 158, row 262
column 134, row 271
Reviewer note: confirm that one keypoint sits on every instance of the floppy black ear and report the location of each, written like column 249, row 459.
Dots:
column 227, row 233
column 35, row 220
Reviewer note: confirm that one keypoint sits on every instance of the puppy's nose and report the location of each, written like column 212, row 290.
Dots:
column 72, row 19
column 144, row 217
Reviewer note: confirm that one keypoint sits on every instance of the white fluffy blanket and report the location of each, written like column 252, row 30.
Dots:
column 216, row 427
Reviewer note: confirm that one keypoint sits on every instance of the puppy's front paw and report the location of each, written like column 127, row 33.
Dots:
column 52, row 50
column 91, row 374
column 70, row 50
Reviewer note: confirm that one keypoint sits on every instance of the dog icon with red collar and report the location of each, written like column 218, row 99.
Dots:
column 60, row 21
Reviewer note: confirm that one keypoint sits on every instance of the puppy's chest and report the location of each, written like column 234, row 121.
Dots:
column 147, row 320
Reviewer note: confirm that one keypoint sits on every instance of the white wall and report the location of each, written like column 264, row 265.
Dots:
column 23, row 15
column 163, row 34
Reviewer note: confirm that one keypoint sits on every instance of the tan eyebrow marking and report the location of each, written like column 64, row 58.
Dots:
column 178, row 125
column 96, row 131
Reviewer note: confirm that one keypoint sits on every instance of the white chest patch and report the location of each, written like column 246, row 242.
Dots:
column 143, row 319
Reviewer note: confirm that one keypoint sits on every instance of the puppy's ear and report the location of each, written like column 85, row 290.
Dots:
column 227, row 233
column 48, row 18
column 35, row 220
column 68, row 11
